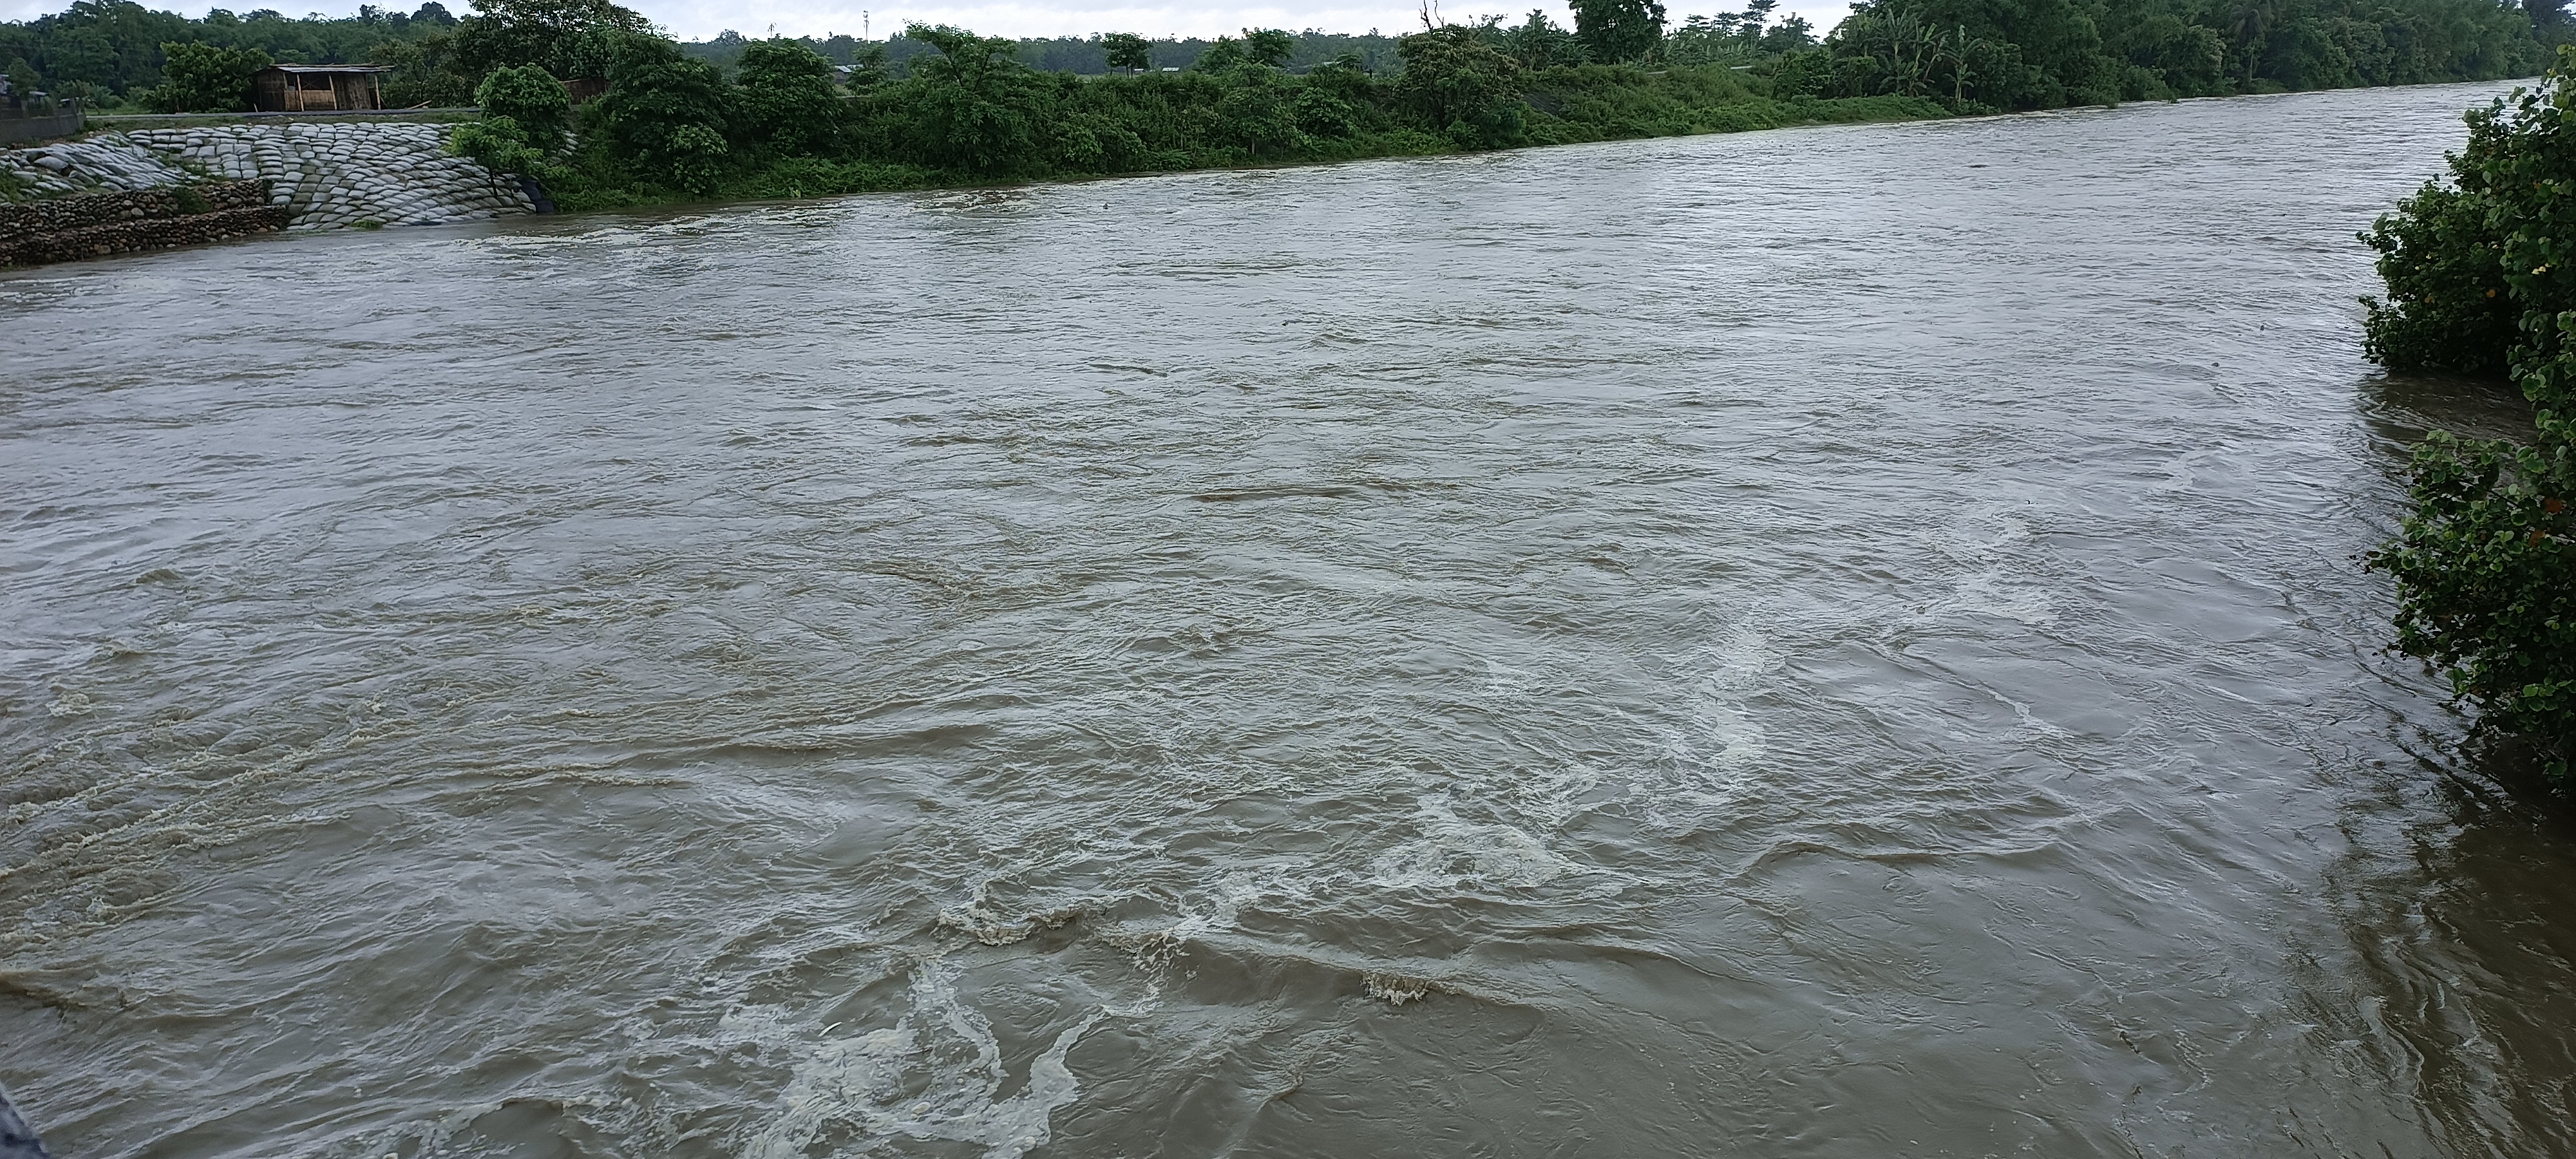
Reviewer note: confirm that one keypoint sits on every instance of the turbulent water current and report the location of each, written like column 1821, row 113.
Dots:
column 1838, row 642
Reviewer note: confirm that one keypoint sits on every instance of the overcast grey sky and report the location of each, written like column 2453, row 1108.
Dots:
column 699, row 19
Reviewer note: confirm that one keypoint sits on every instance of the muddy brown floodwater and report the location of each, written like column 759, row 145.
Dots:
column 1837, row 642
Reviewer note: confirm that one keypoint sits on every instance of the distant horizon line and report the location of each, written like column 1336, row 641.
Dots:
column 673, row 16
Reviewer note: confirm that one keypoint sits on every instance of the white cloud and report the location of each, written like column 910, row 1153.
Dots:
column 699, row 19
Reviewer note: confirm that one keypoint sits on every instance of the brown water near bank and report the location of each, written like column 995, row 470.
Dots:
column 1774, row 644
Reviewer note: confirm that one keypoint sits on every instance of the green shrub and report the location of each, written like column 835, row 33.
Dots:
column 498, row 144
column 2485, row 567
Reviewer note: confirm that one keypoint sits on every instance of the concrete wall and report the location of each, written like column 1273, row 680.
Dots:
column 62, row 124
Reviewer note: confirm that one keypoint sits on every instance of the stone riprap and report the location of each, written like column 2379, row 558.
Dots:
column 324, row 175
column 92, row 225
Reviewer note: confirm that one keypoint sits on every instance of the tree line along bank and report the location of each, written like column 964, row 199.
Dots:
column 779, row 117
column 1970, row 55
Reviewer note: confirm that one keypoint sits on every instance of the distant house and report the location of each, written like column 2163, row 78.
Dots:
column 585, row 88
column 309, row 88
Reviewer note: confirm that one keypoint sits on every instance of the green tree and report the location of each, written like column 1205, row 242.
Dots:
column 1882, row 53
column 1538, row 43
column 570, row 38
column 2055, row 52
column 1258, row 114
column 1128, row 51
column 970, row 107
column 664, row 117
column 1268, row 47
column 1616, row 30
column 422, row 74
column 1462, row 86
column 1224, row 55
column 205, row 79
column 787, row 100
column 532, row 99
column 1803, row 74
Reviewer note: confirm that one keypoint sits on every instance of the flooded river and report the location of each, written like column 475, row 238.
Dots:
column 1836, row 642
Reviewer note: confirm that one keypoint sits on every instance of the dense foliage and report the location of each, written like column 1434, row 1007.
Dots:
column 205, row 78
column 525, row 116
column 674, row 124
column 2026, row 54
column 1090, row 56
column 115, row 52
column 1970, row 55
column 2481, row 276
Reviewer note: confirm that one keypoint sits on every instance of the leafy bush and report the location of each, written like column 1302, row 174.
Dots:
column 201, row 78
column 2450, row 304
column 2485, row 566
column 499, row 144
column 532, row 99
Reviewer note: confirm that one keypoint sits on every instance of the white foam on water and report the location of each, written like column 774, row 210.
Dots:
column 866, row 1082
column 1454, row 852
column 1555, row 796
column 1982, row 540
column 1990, row 593
column 2031, row 724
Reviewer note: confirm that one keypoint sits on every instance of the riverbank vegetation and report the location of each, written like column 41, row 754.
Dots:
column 1967, row 55
column 2481, row 276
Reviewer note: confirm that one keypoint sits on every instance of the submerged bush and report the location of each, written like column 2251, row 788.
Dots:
column 2482, row 276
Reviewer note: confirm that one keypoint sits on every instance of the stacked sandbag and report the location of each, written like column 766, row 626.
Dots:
column 325, row 176
column 345, row 174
